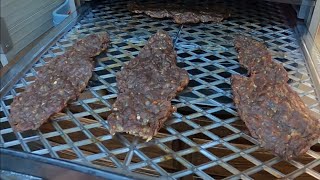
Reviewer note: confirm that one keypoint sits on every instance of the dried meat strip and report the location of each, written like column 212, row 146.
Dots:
column 181, row 14
column 146, row 86
column 272, row 111
column 58, row 82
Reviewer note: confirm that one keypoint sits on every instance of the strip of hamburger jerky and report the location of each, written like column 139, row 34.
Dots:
column 146, row 86
column 58, row 82
column 272, row 111
column 182, row 14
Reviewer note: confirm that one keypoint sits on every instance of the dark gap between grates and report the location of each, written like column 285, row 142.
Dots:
column 90, row 148
column 193, row 83
column 66, row 124
column 112, row 144
column 121, row 157
column 102, row 72
column 223, row 99
column 224, row 86
column 96, row 105
column 202, row 121
column 305, row 176
column 207, row 91
column 197, row 60
column 262, row 155
column 94, row 82
column 182, row 64
column 188, row 94
column 196, row 158
column 110, row 80
column 262, row 175
column 212, row 57
column 222, row 114
column 67, row 154
column 209, row 79
column 152, row 151
column 9, row 137
column 77, row 136
column 305, row 159
column 135, row 157
column 194, row 72
column 241, row 163
column 5, row 125
column 317, row 168
column 220, row 150
column 16, row 147
column 28, row 133
column 200, row 138
column 316, row 147
column 87, row 120
column 241, row 70
column 9, row 101
column 116, row 69
column 181, row 126
column 211, row 67
column 99, row 131
column 108, row 62
column 284, row 167
column 177, row 145
column 57, row 140
column 217, row 172
column 186, row 110
column 227, row 54
column 225, row 74
column 35, row 145
column 245, row 144
column 171, row 165
column 221, row 131
column 226, row 64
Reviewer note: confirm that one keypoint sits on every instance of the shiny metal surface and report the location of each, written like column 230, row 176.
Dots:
column 205, row 138
column 25, row 166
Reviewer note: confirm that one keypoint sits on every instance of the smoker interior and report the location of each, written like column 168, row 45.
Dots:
column 205, row 138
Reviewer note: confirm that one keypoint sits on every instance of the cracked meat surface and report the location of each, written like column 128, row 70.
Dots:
column 181, row 14
column 146, row 86
column 272, row 111
column 58, row 82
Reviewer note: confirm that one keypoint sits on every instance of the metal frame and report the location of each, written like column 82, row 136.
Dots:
column 191, row 141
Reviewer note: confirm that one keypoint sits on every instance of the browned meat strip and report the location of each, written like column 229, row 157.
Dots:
column 58, row 82
column 255, row 56
column 272, row 111
column 181, row 14
column 146, row 86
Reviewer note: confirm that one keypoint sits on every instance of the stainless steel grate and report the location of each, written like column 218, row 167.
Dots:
column 205, row 138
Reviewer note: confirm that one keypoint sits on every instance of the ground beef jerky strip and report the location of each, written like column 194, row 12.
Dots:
column 272, row 111
column 58, row 82
column 146, row 86
column 181, row 14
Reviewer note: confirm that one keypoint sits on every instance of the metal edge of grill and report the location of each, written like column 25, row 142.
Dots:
column 205, row 109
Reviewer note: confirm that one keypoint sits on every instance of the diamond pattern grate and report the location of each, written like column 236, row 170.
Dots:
column 205, row 138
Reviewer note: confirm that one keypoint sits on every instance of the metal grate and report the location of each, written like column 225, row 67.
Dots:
column 205, row 138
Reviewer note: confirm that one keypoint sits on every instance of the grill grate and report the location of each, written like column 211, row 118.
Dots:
column 205, row 137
